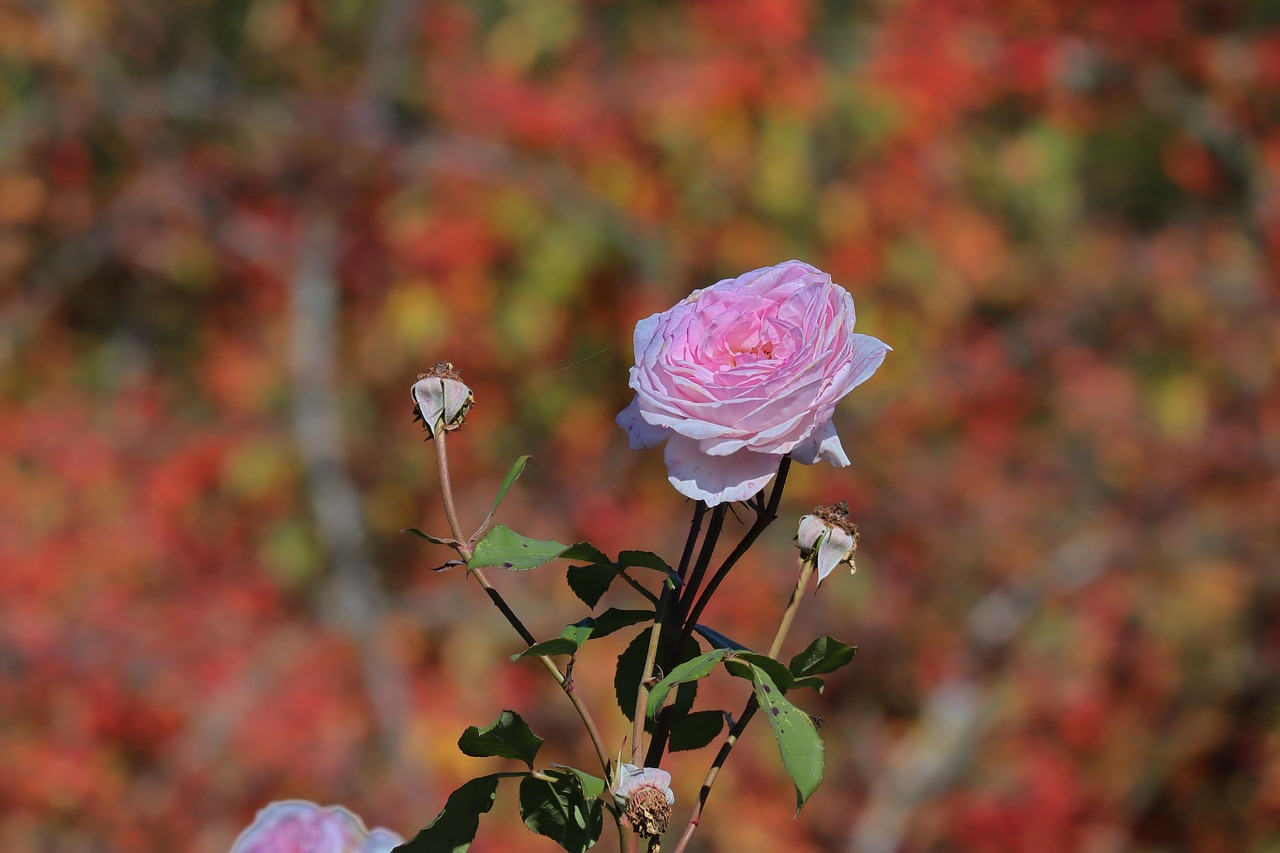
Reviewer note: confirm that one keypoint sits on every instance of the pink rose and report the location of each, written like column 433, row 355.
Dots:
column 744, row 372
column 297, row 826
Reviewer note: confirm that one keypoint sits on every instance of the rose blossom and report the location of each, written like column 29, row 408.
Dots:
column 744, row 372
column 297, row 826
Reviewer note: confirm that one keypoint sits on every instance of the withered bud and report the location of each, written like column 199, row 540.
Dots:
column 441, row 399
column 828, row 538
column 648, row 812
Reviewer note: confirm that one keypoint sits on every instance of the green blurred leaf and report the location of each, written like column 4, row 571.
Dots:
column 507, row 737
column 416, row 532
column 503, row 547
column 696, row 730
column 825, row 654
column 455, row 827
column 691, row 670
column 560, row 810
column 644, row 560
column 797, row 737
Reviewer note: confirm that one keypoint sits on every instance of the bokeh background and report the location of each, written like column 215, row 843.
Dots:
column 232, row 232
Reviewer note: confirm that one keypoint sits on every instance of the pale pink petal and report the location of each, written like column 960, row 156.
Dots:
column 716, row 479
column 643, row 434
column 835, row 549
column 822, row 445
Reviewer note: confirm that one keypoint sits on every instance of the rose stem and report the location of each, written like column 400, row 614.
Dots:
column 764, row 517
column 748, row 711
column 464, row 551
column 662, row 729
column 673, row 623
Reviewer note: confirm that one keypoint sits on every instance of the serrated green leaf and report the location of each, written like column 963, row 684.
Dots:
column 778, row 673
column 507, row 737
column 797, row 737
column 585, row 552
column 696, row 730
column 590, row 583
column 503, row 547
column 427, row 536
column 823, row 655
column 455, row 827
column 718, row 640
column 615, row 619
column 508, row 481
column 626, row 679
column 560, row 810
column 691, row 670
column 811, row 681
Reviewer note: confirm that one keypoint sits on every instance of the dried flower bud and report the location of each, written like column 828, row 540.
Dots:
column 441, row 399
column 828, row 538
column 646, row 798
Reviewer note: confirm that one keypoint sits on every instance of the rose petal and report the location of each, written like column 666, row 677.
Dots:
column 642, row 434
column 834, row 549
column 716, row 479
column 822, row 445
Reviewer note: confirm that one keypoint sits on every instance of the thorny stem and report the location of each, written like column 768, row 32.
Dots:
column 463, row 547
column 748, row 711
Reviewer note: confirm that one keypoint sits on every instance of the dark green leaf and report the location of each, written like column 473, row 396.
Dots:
column 823, row 655
column 797, row 737
column 809, row 681
column 436, row 539
column 574, row 636
column 644, row 560
column 585, row 552
column 690, row 670
column 590, row 583
column 561, row 811
column 614, row 619
column 455, row 827
column 508, row 481
column 696, row 730
column 626, row 678
column 718, row 640
column 778, row 673
column 503, row 547
column 507, row 737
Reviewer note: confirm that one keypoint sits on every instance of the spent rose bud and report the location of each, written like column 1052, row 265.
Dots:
column 298, row 826
column 828, row 538
column 645, row 797
column 441, row 399
column 742, row 373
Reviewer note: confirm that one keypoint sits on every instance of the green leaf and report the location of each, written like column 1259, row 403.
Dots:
column 585, row 552
column 691, row 670
column 737, row 665
column 592, row 786
column 560, row 810
column 574, row 636
column 626, row 679
column 718, row 640
column 455, row 827
column 809, row 681
column 590, row 583
column 514, row 474
column 503, row 547
column 823, row 655
column 436, row 539
column 507, row 737
column 644, row 560
column 696, row 730
column 797, row 737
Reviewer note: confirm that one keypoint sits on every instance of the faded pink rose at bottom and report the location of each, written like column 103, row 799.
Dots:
column 298, row 826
